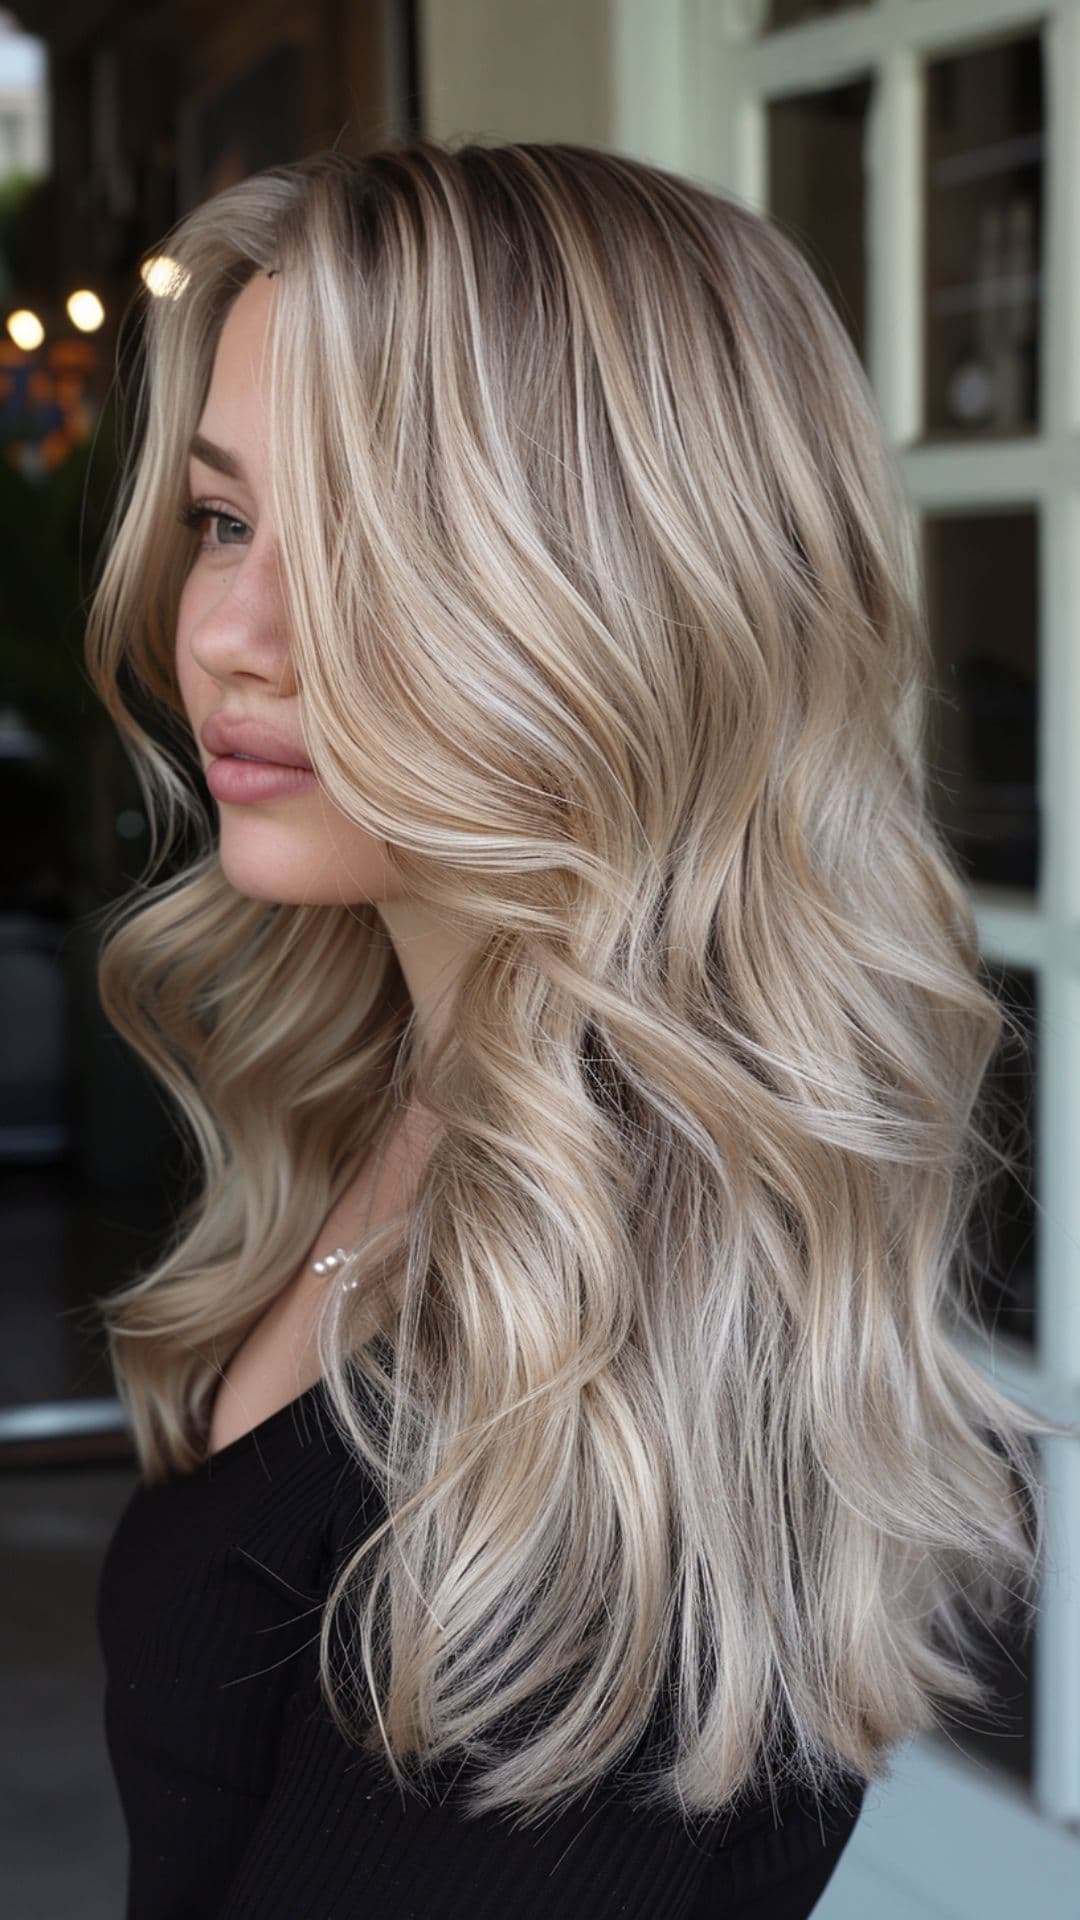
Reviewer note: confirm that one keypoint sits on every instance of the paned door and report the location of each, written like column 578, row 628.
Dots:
column 926, row 156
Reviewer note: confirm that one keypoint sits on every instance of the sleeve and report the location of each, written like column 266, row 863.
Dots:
column 337, row 1841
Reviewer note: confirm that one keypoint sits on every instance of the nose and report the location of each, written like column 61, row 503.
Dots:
column 243, row 632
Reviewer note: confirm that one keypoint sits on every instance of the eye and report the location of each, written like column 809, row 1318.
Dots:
column 196, row 511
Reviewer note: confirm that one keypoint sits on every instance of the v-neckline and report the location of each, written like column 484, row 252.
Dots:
column 253, row 1434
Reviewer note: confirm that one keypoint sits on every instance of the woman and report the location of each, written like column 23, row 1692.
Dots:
column 546, row 1396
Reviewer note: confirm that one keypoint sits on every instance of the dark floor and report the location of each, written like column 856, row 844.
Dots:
column 63, row 1845
column 62, row 1840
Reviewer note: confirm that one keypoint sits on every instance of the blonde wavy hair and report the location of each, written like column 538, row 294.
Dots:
column 607, row 618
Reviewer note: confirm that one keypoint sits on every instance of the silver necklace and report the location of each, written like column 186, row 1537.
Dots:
column 340, row 1256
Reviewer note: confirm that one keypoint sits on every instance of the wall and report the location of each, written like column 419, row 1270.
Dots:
column 534, row 70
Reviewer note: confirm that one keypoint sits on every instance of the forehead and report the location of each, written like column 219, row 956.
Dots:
column 234, row 399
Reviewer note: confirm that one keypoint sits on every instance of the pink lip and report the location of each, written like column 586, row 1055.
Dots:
column 223, row 736
column 243, row 781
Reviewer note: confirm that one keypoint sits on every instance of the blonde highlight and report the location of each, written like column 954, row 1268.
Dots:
column 606, row 617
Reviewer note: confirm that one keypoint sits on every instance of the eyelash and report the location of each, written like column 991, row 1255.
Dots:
column 196, row 510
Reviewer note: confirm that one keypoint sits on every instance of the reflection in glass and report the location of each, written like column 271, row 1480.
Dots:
column 984, row 186
column 89, row 1173
column 817, row 189
column 982, row 605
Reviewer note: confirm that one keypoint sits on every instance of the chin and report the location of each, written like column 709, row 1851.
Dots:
column 286, row 882
column 270, row 859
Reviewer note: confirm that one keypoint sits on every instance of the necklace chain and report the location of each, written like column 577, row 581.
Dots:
column 341, row 1257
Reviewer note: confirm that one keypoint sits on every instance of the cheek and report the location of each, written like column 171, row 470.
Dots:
column 187, row 672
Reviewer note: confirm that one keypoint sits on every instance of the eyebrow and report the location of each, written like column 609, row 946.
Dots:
column 217, row 457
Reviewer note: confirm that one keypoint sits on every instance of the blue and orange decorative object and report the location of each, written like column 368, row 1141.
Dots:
column 49, row 402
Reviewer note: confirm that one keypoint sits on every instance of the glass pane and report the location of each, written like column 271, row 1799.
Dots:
column 1002, row 1243
column 984, row 189
column 982, row 605
column 790, row 13
column 817, row 189
column 90, row 1168
column 1001, row 1739
column 1003, row 1231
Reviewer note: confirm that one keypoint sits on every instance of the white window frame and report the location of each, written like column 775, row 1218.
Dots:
column 691, row 84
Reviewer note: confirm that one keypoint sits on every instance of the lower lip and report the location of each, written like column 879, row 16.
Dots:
column 244, row 780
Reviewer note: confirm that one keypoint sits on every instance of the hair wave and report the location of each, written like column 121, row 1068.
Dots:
column 607, row 617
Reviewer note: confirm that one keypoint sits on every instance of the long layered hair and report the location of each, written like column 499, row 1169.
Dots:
column 607, row 617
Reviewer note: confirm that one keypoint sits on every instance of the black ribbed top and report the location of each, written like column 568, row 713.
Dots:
column 242, row 1800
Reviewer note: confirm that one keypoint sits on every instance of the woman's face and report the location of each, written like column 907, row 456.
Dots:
column 232, row 649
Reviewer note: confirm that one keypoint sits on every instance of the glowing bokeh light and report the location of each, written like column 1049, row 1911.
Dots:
column 165, row 278
column 85, row 310
column 25, row 329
